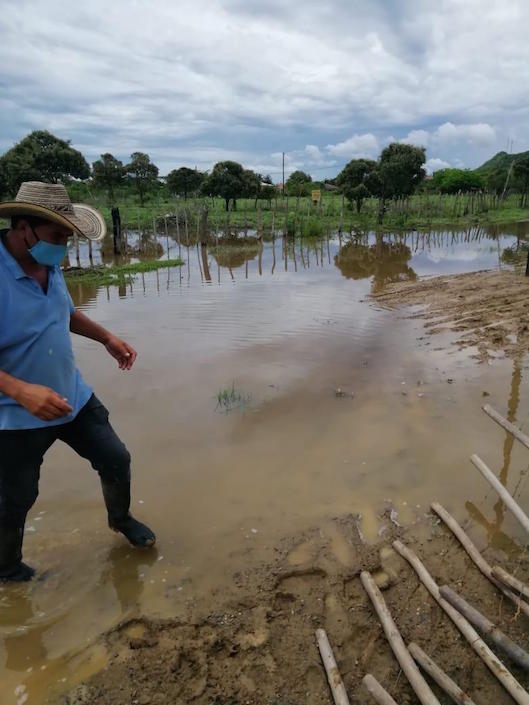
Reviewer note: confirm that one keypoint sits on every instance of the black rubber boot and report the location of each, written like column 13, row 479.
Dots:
column 11, row 567
column 117, row 501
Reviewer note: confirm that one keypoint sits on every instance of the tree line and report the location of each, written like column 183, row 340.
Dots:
column 397, row 173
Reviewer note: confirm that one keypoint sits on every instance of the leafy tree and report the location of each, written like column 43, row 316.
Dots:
column 144, row 173
column 455, row 180
column 108, row 174
column 298, row 183
column 41, row 156
column 521, row 172
column 184, row 181
column 252, row 182
column 227, row 180
column 398, row 173
column 353, row 178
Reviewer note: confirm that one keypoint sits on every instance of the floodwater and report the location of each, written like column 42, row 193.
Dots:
column 340, row 407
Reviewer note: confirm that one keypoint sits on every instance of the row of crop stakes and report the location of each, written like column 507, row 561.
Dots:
column 464, row 615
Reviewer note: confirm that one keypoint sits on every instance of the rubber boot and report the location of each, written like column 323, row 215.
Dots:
column 117, row 501
column 11, row 567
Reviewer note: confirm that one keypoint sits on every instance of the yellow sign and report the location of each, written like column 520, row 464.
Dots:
column 316, row 196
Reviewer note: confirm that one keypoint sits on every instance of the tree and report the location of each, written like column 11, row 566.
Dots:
column 108, row 173
column 521, row 172
column 184, row 181
column 398, row 173
column 41, row 156
column 144, row 173
column 353, row 178
column 298, row 183
column 227, row 180
column 455, row 180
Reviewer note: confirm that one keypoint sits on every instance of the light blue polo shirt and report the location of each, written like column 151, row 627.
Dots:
column 35, row 341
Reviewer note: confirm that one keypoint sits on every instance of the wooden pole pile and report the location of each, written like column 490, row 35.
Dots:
column 485, row 626
column 476, row 556
column 506, row 678
column 408, row 665
column 439, row 676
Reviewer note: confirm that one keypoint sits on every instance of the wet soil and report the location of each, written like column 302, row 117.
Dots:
column 255, row 643
column 488, row 310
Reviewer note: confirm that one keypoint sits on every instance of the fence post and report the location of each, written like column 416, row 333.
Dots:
column 116, row 227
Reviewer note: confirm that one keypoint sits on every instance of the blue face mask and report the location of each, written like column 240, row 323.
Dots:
column 47, row 253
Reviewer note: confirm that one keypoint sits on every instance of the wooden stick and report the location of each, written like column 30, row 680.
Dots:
column 515, row 652
column 510, row 580
column 377, row 692
column 500, row 489
column 439, row 676
column 476, row 556
column 331, row 669
column 507, row 425
column 506, row 678
column 408, row 665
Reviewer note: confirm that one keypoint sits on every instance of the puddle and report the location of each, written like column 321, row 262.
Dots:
column 286, row 325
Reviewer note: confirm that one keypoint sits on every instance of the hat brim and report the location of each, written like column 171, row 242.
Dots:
column 85, row 220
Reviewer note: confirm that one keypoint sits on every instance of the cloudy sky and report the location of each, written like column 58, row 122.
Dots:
column 194, row 82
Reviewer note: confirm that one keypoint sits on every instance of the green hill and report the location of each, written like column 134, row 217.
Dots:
column 500, row 162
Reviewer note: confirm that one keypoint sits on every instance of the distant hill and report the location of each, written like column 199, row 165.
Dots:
column 501, row 161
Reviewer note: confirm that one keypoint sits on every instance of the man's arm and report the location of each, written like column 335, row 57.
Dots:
column 40, row 401
column 119, row 349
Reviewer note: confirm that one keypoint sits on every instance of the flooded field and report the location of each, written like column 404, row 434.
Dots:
column 270, row 394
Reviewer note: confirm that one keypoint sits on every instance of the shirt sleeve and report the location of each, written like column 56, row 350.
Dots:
column 72, row 307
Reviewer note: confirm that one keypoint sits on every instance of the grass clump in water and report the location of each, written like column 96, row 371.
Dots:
column 117, row 275
column 230, row 398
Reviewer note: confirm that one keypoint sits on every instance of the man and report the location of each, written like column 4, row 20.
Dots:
column 43, row 397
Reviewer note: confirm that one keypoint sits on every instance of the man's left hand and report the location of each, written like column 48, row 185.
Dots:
column 121, row 351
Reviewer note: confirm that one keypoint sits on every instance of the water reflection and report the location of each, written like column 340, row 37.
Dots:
column 382, row 257
column 496, row 537
column 385, row 262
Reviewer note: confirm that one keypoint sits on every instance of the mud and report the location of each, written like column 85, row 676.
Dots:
column 487, row 310
column 255, row 643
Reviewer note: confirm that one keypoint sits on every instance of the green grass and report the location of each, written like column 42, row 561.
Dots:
column 116, row 275
column 230, row 398
column 421, row 210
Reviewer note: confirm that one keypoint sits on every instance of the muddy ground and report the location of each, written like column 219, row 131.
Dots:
column 256, row 645
column 488, row 310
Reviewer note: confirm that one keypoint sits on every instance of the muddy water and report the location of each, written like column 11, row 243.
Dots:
column 340, row 407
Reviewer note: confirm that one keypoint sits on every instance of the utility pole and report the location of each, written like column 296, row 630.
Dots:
column 283, row 182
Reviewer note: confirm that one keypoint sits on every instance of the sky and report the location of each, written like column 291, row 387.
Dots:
column 195, row 82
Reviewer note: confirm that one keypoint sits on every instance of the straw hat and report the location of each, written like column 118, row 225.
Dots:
column 51, row 202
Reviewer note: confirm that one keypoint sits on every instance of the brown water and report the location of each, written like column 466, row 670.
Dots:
column 286, row 329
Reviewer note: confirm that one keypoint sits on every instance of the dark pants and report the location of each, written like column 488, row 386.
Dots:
column 22, row 452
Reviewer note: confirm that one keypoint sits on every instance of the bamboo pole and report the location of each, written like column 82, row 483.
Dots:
column 439, row 676
column 476, row 556
column 408, row 665
column 501, row 490
column 331, row 669
column 510, row 580
column 377, row 692
column 515, row 652
column 507, row 425
column 506, row 678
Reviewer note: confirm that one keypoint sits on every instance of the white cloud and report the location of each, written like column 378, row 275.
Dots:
column 435, row 164
column 478, row 133
column 420, row 138
column 357, row 146
column 246, row 78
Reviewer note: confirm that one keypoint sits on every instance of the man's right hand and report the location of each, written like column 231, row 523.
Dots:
column 43, row 402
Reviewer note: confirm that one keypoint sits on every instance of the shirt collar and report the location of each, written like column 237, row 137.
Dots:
column 8, row 259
